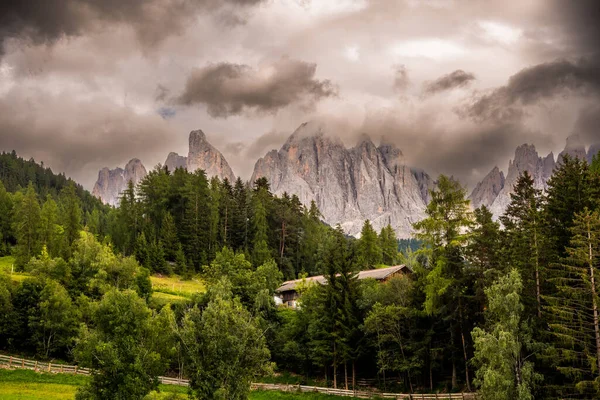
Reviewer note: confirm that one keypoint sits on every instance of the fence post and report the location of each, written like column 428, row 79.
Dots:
column 61, row 369
column 10, row 362
column 35, row 366
column 76, row 370
column 49, row 367
column 463, row 395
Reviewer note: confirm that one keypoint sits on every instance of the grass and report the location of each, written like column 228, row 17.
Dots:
column 29, row 385
column 6, row 265
column 176, row 286
column 160, row 299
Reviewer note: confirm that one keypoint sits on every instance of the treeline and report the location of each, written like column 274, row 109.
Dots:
column 177, row 222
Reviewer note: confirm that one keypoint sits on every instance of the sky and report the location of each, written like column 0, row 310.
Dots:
column 457, row 85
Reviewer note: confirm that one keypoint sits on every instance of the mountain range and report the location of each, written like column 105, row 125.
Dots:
column 349, row 185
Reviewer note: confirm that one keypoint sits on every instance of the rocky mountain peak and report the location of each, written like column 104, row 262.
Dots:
column 175, row 161
column 348, row 185
column 203, row 155
column 526, row 159
column 112, row 182
column 488, row 189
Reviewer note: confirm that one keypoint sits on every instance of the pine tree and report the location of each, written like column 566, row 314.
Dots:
column 142, row 251
column 70, row 215
column 196, row 222
column 444, row 233
column 168, row 235
column 574, row 308
column 389, row 245
column 484, row 253
column 260, row 252
column 26, row 225
column 6, row 209
column 522, row 222
column 51, row 231
column 368, row 247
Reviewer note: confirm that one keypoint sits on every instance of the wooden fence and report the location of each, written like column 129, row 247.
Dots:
column 38, row 366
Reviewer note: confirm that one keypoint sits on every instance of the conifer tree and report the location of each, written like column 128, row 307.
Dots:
column 51, row 231
column 389, row 245
column 70, row 215
column 26, row 225
column 444, row 233
column 522, row 222
column 6, row 205
column 168, row 236
column 260, row 252
column 368, row 247
column 574, row 308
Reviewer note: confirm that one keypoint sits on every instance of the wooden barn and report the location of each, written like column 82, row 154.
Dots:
column 287, row 294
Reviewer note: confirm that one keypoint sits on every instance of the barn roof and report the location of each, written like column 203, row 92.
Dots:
column 377, row 274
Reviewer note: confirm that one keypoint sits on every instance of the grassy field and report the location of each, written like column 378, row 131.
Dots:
column 175, row 286
column 6, row 264
column 29, row 385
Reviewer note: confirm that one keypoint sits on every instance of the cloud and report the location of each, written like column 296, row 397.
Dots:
column 532, row 85
column 78, row 136
column 453, row 80
column 152, row 20
column 400, row 78
column 233, row 89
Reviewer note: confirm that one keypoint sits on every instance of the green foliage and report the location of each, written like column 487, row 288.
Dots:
column 26, row 225
column 501, row 348
column 123, row 347
column 368, row 247
column 55, row 326
column 389, row 245
column 225, row 346
column 70, row 215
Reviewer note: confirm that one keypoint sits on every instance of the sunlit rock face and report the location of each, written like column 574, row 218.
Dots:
column 348, row 185
column 112, row 182
column 203, row 155
column 175, row 161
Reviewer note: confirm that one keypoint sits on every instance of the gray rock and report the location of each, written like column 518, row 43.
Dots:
column 112, row 182
column 526, row 159
column 488, row 189
column 426, row 183
column 202, row 155
column 348, row 185
column 175, row 161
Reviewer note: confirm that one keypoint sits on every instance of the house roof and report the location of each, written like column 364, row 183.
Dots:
column 377, row 274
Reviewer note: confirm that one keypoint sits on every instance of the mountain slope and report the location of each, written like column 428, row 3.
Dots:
column 112, row 182
column 348, row 185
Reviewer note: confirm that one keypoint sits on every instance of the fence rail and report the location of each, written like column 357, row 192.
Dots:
column 38, row 366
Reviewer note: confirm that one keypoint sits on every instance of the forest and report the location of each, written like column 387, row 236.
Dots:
column 507, row 308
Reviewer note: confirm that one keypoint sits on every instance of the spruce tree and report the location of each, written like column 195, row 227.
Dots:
column 6, row 208
column 523, row 228
column 70, row 215
column 51, row 231
column 260, row 252
column 574, row 308
column 168, row 236
column 368, row 247
column 389, row 245
column 26, row 225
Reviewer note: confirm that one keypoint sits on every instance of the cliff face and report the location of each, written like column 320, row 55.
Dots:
column 112, row 182
column 203, row 155
column 574, row 147
column 175, row 161
column 348, row 185
column 488, row 189
column 592, row 151
column 526, row 159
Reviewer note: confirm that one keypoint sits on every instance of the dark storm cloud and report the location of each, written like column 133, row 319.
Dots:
column 232, row 89
column 579, row 21
column 533, row 85
column 588, row 125
column 49, row 20
column 97, row 132
column 453, row 80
